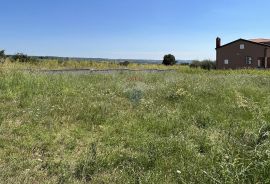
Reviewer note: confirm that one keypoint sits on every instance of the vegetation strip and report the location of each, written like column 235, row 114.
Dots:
column 99, row 71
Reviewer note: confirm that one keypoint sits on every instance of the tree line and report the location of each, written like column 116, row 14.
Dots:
column 19, row 57
column 169, row 60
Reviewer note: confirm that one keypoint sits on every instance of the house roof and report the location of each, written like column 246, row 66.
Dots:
column 254, row 41
column 260, row 40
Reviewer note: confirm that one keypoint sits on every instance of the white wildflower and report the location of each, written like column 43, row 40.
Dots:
column 241, row 101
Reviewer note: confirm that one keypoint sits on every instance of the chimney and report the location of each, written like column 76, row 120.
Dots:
column 218, row 42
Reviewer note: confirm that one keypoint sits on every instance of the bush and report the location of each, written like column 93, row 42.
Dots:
column 208, row 65
column 185, row 64
column 195, row 64
column 125, row 63
column 169, row 60
column 205, row 64
column 2, row 56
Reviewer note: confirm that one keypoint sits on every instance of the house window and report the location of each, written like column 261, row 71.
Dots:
column 226, row 61
column 242, row 46
column 248, row 60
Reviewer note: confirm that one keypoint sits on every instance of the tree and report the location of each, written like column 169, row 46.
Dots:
column 20, row 57
column 2, row 56
column 169, row 60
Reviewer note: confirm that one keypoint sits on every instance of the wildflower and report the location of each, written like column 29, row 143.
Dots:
column 241, row 101
column 178, row 172
column 181, row 92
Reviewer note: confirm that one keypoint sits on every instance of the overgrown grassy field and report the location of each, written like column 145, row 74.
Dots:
column 187, row 126
column 56, row 64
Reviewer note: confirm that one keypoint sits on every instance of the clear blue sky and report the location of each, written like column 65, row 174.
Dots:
column 140, row 29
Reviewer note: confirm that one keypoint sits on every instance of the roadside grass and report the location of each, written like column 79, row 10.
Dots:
column 188, row 126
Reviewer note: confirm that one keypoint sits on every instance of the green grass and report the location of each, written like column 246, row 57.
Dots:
column 56, row 64
column 189, row 126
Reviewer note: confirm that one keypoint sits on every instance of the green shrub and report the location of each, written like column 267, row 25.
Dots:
column 208, row 65
column 169, row 60
column 205, row 64
column 125, row 63
column 195, row 64
column 184, row 64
